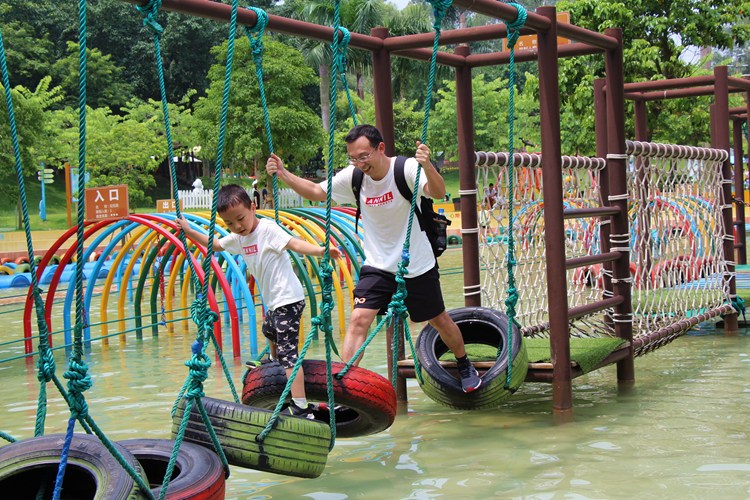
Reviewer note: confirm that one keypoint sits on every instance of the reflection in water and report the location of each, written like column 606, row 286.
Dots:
column 681, row 433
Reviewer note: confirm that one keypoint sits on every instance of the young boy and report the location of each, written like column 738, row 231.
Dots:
column 263, row 245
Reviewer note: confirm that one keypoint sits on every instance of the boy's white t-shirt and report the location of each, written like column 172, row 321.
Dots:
column 263, row 252
column 385, row 215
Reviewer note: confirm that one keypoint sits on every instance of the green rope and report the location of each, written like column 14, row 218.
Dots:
column 46, row 360
column 397, row 313
column 7, row 437
column 202, row 315
column 738, row 304
column 512, row 299
column 77, row 374
column 323, row 320
column 342, row 64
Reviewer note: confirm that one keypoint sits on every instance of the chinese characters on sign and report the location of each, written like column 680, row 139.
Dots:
column 530, row 41
column 107, row 202
column 163, row 206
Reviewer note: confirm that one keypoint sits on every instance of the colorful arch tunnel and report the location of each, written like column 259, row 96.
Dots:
column 139, row 260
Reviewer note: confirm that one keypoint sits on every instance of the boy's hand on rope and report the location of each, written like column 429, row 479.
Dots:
column 274, row 165
column 183, row 224
column 335, row 253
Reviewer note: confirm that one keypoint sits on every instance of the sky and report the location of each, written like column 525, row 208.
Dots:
column 399, row 3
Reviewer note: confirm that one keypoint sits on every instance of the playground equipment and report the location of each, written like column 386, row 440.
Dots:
column 607, row 312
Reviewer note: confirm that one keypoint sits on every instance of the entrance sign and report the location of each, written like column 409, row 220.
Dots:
column 107, row 202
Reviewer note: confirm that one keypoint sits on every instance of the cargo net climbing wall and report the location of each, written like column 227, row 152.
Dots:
column 677, row 267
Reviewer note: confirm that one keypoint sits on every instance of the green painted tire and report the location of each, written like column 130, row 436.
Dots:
column 295, row 447
column 454, row 240
column 91, row 472
column 478, row 325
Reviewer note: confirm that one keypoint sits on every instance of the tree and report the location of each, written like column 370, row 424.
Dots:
column 296, row 128
column 32, row 132
column 104, row 82
column 655, row 35
column 491, row 101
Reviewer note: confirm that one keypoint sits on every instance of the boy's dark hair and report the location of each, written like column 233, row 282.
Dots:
column 373, row 135
column 232, row 195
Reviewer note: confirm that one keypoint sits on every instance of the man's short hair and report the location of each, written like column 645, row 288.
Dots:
column 373, row 135
column 232, row 195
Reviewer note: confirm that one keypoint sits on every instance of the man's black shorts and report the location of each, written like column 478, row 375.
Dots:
column 424, row 300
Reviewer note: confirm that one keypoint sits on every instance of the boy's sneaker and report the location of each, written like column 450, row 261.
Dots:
column 470, row 380
column 295, row 411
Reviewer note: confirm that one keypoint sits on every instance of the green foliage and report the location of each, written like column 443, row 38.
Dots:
column 491, row 108
column 296, row 128
column 104, row 79
column 29, row 111
column 407, row 125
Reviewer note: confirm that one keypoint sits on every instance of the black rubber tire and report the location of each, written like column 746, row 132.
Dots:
column 295, row 447
column 478, row 325
column 91, row 472
column 198, row 473
column 368, row 400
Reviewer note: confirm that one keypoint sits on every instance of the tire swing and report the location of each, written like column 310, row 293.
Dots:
column 295, row 447
column 478, row 325
column 198, row 473
column 31, row 465
column 243, row 436
column 365, row 401
column 483, row 325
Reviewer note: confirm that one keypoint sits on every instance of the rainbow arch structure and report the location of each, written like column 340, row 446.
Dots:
column 125, row 255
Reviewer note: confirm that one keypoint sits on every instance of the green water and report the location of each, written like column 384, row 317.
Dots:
column 681, row 433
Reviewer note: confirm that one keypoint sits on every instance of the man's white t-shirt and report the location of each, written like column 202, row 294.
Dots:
column 385, row 215
column 266, row 259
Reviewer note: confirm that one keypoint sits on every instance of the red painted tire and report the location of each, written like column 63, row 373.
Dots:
column 368, row 400
column 5, row 260
column 30, row 465
column 22, row 260
column 198, row 473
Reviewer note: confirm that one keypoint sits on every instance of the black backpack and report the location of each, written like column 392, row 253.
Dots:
column 435, row 225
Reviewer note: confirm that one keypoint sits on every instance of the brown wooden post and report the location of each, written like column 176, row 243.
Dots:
column 620, row 238
column 600, row 129
column 467, row 182
column 739, row 192
column 721, row 141
column 383, row 95
column 554, row 236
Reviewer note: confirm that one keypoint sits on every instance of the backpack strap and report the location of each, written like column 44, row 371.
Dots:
column 357, row 177
column 403, row 187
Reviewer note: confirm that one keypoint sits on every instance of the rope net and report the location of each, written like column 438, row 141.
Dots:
column 678, row 268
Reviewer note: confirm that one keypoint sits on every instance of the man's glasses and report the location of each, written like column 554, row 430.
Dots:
column 363, row 158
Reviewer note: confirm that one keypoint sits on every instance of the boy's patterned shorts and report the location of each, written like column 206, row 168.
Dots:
column 281, row 326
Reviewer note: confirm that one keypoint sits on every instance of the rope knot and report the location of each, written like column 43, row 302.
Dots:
column 198, row 366
column 514, row 27
column 149, row 12
column 261, row 20
column 439, row 8
column 46, row 366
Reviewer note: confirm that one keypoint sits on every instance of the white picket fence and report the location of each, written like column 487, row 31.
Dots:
column 197, row 199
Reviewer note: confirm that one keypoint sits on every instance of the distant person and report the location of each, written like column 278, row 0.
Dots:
column 263, row 244
column 264, row 194
column 255, row 195
column 384, row 216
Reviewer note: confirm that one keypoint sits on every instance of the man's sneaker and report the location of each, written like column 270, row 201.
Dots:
column 295, row 411
column 470, row 380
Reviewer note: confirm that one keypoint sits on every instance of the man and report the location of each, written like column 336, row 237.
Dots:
column 384, row 220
